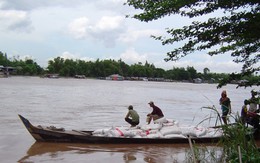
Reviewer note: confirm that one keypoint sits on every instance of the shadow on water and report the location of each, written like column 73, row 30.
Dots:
column 63, row 152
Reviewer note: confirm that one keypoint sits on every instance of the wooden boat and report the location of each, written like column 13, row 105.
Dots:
column 52, row 134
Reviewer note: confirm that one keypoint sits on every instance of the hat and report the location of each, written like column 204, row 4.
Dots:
column 151, row 102
column 130, row 107
column 246, row 102
column 254, row 92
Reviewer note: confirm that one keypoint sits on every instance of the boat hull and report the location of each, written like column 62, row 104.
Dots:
column 45, row 134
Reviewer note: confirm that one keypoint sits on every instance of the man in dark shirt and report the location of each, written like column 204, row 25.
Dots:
column 155, row 114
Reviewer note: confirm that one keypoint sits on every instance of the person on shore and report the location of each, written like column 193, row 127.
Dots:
column 225, row 103
column 254, row 101
column 253, row 117
column 132, row 116
column 155, row 114
column 244, row 117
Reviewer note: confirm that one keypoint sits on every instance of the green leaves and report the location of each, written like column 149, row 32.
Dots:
column 235, row 32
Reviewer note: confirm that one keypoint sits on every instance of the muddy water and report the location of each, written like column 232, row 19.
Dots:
column 91, row 104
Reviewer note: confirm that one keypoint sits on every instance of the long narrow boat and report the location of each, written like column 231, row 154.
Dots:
column 49, row 134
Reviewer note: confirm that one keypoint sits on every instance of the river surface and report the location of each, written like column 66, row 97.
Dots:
column 88, row 104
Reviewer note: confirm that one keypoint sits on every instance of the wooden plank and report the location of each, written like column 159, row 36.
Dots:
column 83, row 133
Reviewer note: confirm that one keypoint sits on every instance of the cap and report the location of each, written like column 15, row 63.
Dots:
column 130, row 107
column 254, row 92
column 151, row 102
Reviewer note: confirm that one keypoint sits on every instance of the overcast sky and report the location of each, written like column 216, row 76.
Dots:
column 91, row 30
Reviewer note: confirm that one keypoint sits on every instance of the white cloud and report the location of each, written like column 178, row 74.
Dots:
column 107, row 29
column 131, row 36
column 15, row 20
column 78, row 27
column 69, row 55
column 108, row 23
column 35, row 4
column 130, row 56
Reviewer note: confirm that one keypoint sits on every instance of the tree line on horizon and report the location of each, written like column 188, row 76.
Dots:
column 104, row 68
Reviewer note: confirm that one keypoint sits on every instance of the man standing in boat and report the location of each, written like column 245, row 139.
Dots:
column 133, row 115
column 155, row 114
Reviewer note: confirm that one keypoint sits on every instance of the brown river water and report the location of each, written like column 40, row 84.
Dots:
column 88, row 104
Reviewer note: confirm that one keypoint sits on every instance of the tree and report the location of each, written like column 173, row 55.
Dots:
column 236, row 32
column 193, row 72
column 206, row 71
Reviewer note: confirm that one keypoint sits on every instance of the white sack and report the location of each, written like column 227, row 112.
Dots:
column 175, row 136
column 157, row 135
column 160, row 121
column 170, row 130
column 101, row 131
column 151, row 127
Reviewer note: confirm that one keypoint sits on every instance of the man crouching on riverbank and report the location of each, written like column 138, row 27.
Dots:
column 155, row 114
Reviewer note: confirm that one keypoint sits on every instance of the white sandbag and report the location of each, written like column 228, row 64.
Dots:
column 137, row 136
column 188, row 131
column 168, row 124
column 101, row 131
column 170, row 130
column 175, row 136
column 117, row 132
column 160, row 121
column 199, row 131
column 170, row 120
column 151, row 127
column 151, row 132
column 134, row 132
column 176, row 123
column 157, row 135
column 129, row 133
column 212, row 132
column 193, row 131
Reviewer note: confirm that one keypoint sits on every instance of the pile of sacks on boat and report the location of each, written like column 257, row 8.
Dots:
column 161, row 128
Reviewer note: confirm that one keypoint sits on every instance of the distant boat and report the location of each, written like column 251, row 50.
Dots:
column 53, row 76
column 80, row 76
column 115, row 77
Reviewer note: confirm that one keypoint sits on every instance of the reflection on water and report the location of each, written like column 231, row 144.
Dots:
column 55, row 152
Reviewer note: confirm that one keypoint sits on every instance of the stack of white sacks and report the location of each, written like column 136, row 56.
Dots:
column 161, row 128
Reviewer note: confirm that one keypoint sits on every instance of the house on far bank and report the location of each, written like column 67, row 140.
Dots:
column 197, row 80
column 115, row 77
column 5, row 71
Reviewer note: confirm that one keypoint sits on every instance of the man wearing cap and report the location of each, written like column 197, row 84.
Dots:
column 155, row 114
column 133, row 115
column 253, row 101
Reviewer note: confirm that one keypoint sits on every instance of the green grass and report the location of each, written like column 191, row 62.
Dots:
column 237, row 145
